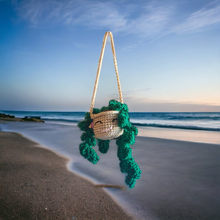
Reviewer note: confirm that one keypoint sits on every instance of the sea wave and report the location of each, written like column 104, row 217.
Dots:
column 61, row 120
column 193, row 118
column 189, row 127
column 176, row 116
column 207, row 121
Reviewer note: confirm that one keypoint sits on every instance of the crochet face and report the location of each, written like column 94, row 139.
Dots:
column 105, row 125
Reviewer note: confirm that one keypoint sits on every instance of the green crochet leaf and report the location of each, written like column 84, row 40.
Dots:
column 123, row 119
column 91, row 141
column 130, row 181
column 124, row 152
column 89, row 153
column 84, row 125
column 103, row 145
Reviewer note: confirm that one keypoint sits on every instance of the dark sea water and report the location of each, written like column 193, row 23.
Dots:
column 207, row 121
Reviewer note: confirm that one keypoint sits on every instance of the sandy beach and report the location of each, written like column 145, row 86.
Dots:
column 180, row 179
column 35, row 184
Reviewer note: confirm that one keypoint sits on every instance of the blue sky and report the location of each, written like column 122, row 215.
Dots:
column 168, row 54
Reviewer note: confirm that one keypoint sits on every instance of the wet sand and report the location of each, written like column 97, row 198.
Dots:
column 35, row 184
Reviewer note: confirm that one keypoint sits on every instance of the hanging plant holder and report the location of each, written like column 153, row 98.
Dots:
column 107, row 123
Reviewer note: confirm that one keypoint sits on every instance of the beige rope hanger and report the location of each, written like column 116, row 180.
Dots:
column 99, row 70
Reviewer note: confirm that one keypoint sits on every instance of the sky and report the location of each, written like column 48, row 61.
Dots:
column 168, row 54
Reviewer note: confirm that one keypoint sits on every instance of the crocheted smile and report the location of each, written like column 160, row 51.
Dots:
column 109, row 123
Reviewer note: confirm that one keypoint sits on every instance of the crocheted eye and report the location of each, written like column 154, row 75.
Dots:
column 115, row 119
column 98, row 122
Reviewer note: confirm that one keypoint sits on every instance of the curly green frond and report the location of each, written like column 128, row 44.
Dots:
column 91, row 141
column 84, row 125
column 88, row 139
column 124, row 152
column 130, row 181
column 104, row 108
column 87, row 116
column 89, row 153
column 123, row 119
column 128, row 137
column 127, row 163
column 96, row 111
column 103, row 145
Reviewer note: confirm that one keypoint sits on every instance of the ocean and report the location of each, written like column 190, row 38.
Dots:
column 204, row 121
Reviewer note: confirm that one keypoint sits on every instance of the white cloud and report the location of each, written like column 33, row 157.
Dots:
column 72, row 12
column 201, row 19
column 152, row 22
column 148, row 20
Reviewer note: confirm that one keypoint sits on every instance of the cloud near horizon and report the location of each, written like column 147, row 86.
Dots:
column 135, row 105
column 148, row 20
column 143, row 104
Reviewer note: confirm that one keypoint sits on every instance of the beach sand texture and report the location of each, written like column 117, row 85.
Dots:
column 35, row 184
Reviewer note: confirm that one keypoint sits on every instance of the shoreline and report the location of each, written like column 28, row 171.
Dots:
column 39, row 194
column 178, row 178
column 196, row 136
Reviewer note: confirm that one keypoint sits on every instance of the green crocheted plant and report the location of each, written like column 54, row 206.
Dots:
column 127, row 163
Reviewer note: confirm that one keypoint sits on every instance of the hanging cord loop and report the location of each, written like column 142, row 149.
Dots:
column 99, row 70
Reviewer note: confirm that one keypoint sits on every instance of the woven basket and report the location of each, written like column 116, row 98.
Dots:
column 105, row 124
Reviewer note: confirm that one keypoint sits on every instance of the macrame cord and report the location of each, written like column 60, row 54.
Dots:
column 99, row 70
